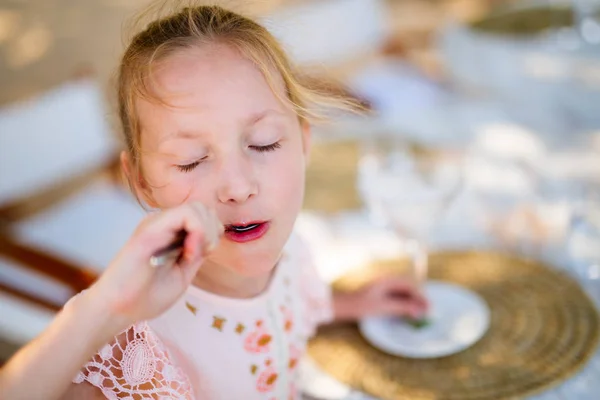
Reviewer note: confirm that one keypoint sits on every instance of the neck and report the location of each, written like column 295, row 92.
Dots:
column 224, row 281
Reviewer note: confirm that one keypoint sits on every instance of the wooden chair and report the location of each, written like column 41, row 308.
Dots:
column 63, row 212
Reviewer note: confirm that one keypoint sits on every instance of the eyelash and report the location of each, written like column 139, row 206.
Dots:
column 260, row 149
column 270, row 147
column 188, row 167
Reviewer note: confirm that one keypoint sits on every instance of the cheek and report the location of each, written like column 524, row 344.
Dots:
column 172, row 194
column 168, row 191
column 286, row 182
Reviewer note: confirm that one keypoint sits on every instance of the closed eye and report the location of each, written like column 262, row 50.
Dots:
column 189, row 167
column 260, row 149
column 270, row 147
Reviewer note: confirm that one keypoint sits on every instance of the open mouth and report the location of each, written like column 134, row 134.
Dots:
column 238, row 228
column 246, row 232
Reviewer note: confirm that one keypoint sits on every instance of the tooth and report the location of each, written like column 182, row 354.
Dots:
column 245, row 228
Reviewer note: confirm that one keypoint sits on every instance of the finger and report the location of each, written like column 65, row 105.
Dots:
column 398, row 285
column 193, row 246
column 414, row 295
column 416, row 300
column 208, row 238
column 404, row 296
column 188, row 217
column 216, row 229
column 397, row 309
column 190, row 265
column 159, row 230
column 409, row 308
column 219, row 227
column 190, row 260
column 200, row 209
column 213, row 227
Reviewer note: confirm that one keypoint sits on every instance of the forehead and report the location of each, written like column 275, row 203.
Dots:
column 213, row 83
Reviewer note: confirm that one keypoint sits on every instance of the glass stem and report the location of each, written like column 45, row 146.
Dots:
column 418, row 255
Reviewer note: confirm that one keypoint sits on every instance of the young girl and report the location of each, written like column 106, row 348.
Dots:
column 213, row 113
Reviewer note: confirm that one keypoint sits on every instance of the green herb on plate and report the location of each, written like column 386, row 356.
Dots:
column 418, row 323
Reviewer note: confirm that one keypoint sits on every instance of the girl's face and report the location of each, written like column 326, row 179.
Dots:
column 227, row 142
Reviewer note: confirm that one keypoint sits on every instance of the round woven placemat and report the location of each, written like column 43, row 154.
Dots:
column 543, row 328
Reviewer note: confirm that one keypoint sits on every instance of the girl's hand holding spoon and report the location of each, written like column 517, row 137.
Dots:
column 157, row 264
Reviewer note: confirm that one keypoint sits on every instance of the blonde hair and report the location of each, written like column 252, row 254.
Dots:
column 189, row 26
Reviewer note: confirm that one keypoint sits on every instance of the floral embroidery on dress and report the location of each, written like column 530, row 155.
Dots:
column 295, row 355
column 218, row 323
column 288, row 317
column 267, row 379
column 259, row 340
column 192, row 308
column 240, row 328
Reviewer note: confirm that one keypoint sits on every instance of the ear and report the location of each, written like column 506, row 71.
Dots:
column 306, row 138
column 136, row 181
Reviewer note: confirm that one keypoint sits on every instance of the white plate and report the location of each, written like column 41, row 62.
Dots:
column 458, row 318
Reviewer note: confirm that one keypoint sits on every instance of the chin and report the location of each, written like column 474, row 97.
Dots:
column 250, row 265
column 256, row 269
column 248, row 261
column 256, row 258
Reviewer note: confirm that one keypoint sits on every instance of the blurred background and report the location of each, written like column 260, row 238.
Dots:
column 488, row 110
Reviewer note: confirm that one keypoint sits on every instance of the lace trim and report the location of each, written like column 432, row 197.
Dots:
column 136, row 365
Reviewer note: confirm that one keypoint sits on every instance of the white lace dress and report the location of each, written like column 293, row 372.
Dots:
column 209, row 347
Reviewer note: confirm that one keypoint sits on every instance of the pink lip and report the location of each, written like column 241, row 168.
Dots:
column 244, row 237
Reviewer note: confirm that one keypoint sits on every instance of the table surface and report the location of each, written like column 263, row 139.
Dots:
column 467, row 118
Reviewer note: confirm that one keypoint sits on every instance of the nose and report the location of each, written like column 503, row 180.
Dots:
column 237, row 182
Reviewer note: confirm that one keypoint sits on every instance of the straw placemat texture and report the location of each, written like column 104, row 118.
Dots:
column 543, row 328
column 331, row 177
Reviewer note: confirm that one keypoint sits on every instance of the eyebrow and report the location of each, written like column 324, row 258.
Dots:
column 257, row 117
column 252, row 120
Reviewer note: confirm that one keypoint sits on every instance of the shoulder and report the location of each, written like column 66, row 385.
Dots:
column 136, row 359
